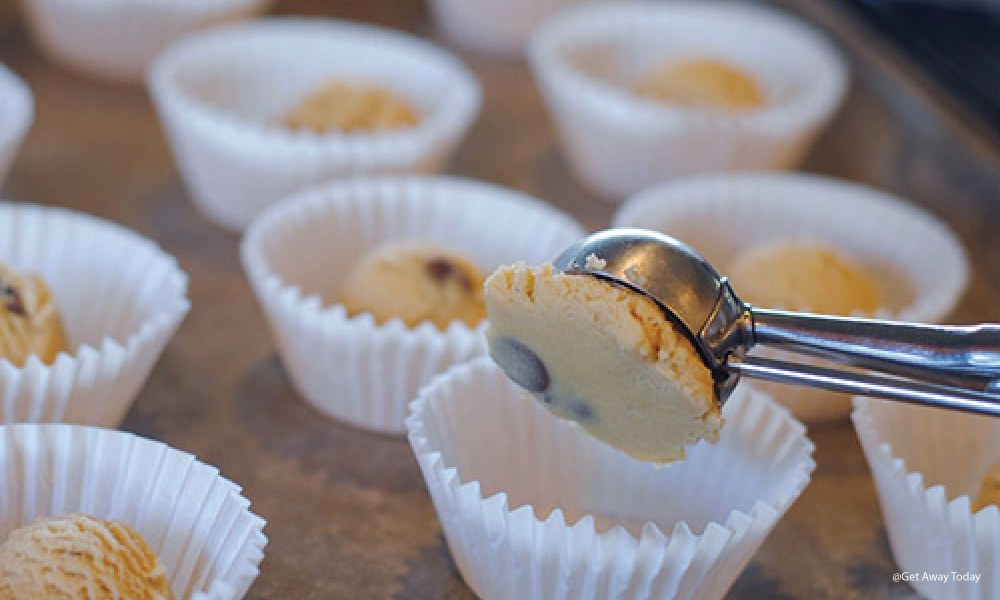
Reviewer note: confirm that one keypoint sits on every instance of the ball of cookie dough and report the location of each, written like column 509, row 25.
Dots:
column 416, row 282
column 77, row 557
column 350, row 108
column 603, row 356
column 989, row 489
column 804, row 276
column 701, row 83
column 29, row 319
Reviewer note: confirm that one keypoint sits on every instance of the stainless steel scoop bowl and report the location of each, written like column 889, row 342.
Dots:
column 956, row 367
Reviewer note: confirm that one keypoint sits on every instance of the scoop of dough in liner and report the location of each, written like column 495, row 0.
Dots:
column 78, row 557
column 29, row 320
column 416, row 282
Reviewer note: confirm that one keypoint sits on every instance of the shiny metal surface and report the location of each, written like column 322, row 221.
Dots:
column 685, row 286
column 866, row 384
column 966, row 356
column 663, row 268
column 956, row 367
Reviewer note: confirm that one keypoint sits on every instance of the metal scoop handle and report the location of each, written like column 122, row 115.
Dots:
column 866, row 384
column 962, row 356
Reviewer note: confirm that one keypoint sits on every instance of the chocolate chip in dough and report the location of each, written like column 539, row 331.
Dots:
column 12, row 300
column 521, row 364
column 581, row 410
column 442, row 269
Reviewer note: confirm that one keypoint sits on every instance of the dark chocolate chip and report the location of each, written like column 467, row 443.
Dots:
column 442, row 269
column 581, row 410
column 521, row 364
column 12, row 300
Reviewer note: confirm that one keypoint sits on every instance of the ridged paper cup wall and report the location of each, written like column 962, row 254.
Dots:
column 222, row 96
column 497, row 26
column 534, row 509
column 920, row 264
column 298, row 254
column 121, row 299
column 17, row 111
column 196, row 521
column 586, row 60
column 927, row 464
column 117, row 40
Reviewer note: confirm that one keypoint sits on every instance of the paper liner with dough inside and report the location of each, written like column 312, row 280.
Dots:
column 927, row 463
column 79, row 556
column 29, row 319
column 120, row 298
column 586, row 60
column 297, row 256
column 222, row 96
column 196, row 521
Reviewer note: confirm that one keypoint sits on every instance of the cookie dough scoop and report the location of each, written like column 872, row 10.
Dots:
column 953, row 367
column 29, row 319
column 79, row 557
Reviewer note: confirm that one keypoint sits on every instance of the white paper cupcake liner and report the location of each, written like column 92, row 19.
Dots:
column 927, row 463
column 497, row 26
column 196, row 521
column 534, row 509
column 222, row 94
column 17, row 111
column 298, row 253
column 118, row 40
column 587, row 58
column 920, row 262
column 120, row 297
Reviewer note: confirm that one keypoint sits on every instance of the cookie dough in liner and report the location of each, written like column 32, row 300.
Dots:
column 196, row 521
column 298, row 253
column 120, row 298
column 918, row 262
column 223, row 95
column 587, row 59
column 535, row 509
column 927, row 463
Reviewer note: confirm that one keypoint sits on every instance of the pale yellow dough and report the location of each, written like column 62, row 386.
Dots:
column 704, row 83
column 804, row 276
column 604, row 357
column 416, row 282
column 352, row 107
column 989, row 489
column 77, row 557
column 29, row 319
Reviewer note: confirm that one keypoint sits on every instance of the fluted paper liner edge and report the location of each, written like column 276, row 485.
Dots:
column 195, row 520
column 618, row 144
column 233, row 153
column 349, row 367
column 121, row 298
column 557, row 536
column 931, row 526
